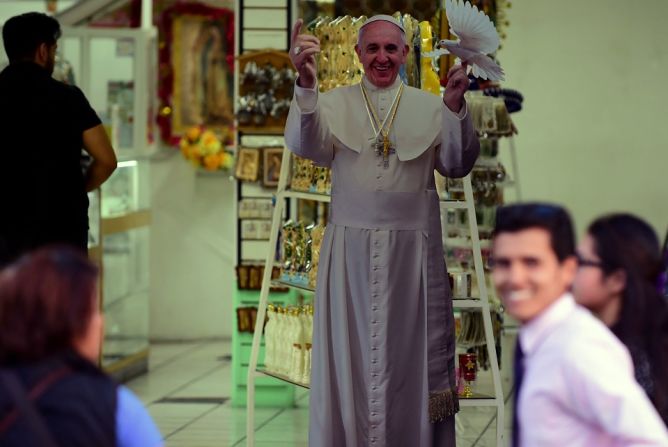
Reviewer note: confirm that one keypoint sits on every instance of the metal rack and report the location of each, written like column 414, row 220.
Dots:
column 283, row 194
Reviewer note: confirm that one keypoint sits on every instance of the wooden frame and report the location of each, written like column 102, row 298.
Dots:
column 194, row 36
column 272, row 158
column 203, row 82
column 248, row 164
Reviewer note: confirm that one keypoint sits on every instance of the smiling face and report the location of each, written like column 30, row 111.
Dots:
column 527, row 273
column 382, row 50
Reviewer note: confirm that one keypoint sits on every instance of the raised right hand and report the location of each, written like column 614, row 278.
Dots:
column 303, row 48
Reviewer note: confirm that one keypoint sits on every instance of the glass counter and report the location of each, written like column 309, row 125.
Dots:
column 116, row 70
column 125, row 234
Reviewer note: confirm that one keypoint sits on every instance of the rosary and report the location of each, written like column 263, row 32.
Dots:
column 382, row 145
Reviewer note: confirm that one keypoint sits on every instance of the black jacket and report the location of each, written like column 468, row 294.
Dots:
column 78, row 404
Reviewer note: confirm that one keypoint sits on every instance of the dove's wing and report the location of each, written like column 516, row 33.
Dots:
column 474, row 29
column 484, row 67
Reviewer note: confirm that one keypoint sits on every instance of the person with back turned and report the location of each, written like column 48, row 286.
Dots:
column 44, row 125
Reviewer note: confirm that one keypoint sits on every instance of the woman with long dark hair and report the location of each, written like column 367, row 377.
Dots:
column 618, row 280
column 51, row 391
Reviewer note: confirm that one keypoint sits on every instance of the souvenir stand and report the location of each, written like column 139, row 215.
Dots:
column 264, row 79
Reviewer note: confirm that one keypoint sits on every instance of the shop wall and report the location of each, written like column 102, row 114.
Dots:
column 193, row 243
column 192, row 251
column 591, row 132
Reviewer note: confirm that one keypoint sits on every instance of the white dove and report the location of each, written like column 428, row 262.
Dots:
column 476, row 38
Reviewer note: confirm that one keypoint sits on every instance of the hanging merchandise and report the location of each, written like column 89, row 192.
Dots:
column 300, row 250
column 308, row 177
column 267, row 81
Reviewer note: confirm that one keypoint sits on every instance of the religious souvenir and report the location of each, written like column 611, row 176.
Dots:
column 467, row 373
column 242, row 277
column 462, row 284
column 271, row 166
column 244, row 320
column 248, row 164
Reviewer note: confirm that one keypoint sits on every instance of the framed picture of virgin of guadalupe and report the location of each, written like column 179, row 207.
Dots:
column 196, row 69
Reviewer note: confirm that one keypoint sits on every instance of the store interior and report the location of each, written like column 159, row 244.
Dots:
column 176, row 234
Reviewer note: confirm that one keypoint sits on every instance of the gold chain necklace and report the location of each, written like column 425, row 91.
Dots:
column 382, row 146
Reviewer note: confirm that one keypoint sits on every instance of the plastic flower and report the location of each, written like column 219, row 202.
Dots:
column 193, row 133
column 204, row 149
column 210, row 143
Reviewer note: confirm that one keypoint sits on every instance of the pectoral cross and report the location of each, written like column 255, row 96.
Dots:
column 384, row 147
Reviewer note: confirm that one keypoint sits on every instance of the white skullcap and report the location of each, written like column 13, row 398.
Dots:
column 384, row 18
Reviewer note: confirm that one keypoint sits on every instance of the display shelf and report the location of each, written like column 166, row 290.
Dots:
column 282, row 377
column 454, row 204
column 271, row 392
column 124, row 367
column 475, row 400
column 466, row 303
column 292, row 194
column 111, row 302
column 126, row 222
column 125, row 96
column 256, row 130
column 480, row 401
column 460, row 303
column 482, row 303
column 279, row 283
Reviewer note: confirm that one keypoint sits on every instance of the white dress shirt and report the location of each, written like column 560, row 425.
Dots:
column 578, row 387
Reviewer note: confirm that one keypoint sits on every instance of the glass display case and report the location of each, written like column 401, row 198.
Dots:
column 116, row 69
column 125, row 232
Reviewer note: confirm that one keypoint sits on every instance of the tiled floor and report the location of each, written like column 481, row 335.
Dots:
column 187, row 391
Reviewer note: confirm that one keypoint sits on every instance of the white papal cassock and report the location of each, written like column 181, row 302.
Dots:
column 383, row 342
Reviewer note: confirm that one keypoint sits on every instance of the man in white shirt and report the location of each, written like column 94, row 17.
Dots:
column 577, row 386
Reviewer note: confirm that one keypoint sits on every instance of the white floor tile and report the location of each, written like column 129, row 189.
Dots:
column 188, row 381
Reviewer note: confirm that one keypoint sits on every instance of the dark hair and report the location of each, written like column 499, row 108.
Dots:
column 552, row 218
column 627, row 243
column 45, row 303
column 23, row 34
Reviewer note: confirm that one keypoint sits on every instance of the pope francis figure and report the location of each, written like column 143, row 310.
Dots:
column 383, row 342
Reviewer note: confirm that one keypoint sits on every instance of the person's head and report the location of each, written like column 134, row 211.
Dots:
column 533, row 257
column 618, row 280
column 382, row 49
column 49, row 304
column 620, row 267
column 32, row 36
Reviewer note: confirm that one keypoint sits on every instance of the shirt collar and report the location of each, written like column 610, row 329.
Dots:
column 373, row 89
column 537, row 329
